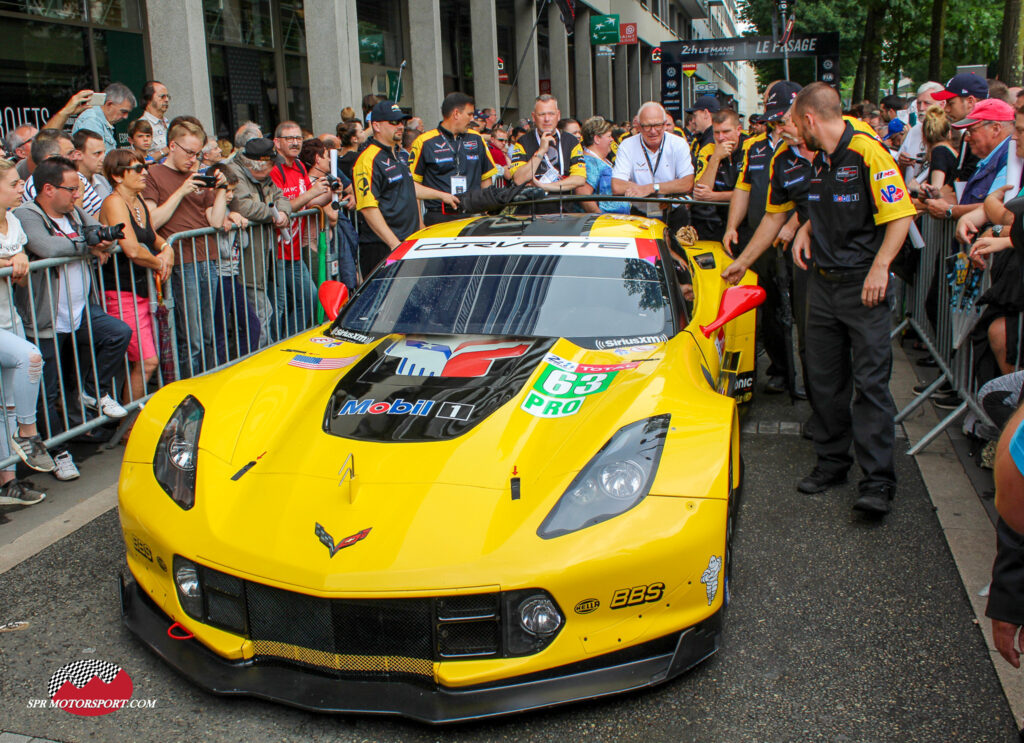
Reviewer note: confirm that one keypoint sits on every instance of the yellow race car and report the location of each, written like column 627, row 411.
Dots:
column 502, row 478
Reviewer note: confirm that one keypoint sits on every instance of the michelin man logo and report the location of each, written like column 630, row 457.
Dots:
column 710, row 577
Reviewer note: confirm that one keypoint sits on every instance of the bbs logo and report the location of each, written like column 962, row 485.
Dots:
column 637, row 595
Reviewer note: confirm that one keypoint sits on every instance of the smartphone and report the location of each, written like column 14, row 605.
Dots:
column 97, row 99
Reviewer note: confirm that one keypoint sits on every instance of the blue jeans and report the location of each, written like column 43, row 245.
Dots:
column 194, row 288
column 19, row 384
column 232, row 305
column 295, row 297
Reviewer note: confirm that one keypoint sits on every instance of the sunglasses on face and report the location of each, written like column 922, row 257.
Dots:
column 136, row 168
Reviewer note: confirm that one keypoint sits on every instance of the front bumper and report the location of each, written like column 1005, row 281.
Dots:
column 625, row 670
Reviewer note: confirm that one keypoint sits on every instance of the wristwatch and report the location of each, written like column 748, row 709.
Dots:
column 657, row 188
column 949, row 212
column 997, row 230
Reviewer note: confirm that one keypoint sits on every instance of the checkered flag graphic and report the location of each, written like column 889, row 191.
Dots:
column 80, row 672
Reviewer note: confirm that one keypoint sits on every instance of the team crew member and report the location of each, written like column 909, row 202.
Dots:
column 451, row 158
column 749, row 200
column 786, row 208
column 652, row 163
column 859, row 213
column 703, row 142
column 385, row 191
column 717, row 178
column 549, row 158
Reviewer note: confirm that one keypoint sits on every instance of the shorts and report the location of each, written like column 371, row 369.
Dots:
column 134, row 311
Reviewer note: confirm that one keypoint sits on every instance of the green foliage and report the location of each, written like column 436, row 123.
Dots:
column 972, row 35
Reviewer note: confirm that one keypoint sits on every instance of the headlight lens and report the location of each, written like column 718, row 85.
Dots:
column 174, row 463
column 190, row 589
column 539, row 616
column 614, row 481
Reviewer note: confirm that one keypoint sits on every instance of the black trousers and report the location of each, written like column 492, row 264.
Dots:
column 108, row 341
column 371, row 253
column 849, row 362
column 772, row 330
column 436, row 216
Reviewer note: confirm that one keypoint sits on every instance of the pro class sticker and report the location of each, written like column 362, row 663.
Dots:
column 563, row 386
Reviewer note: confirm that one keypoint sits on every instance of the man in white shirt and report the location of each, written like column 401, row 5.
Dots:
column 653, row 163
column 88, row 157
column 156, row 99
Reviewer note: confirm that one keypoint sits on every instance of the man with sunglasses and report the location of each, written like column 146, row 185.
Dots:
column 101, row 119
column 178, row 201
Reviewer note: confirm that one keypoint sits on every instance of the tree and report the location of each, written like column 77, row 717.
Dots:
column 1008, row 69
column 937, row 39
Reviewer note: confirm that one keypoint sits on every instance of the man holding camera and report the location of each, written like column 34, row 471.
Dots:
column 55, row 309
column 180, row 199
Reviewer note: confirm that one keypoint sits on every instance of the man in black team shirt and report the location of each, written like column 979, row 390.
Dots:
column 551, row 159
column 703, row 142
column 451, row 158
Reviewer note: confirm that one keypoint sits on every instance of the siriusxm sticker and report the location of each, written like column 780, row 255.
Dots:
column 349, row 335
column 634, row 341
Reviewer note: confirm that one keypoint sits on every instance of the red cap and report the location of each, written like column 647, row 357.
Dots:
column 990, row 109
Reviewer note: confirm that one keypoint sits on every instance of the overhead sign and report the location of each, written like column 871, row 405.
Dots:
column 681, row 58
column 749, row 47
column 706, row 88
column 627, row 33
column 656, row 55
column 604, row 29
column 502, row 74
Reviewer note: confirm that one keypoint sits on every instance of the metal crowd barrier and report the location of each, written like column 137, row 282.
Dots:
column 209, row 316
column 947, row 340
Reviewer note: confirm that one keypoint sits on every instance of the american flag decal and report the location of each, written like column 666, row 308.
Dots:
column 316, row 362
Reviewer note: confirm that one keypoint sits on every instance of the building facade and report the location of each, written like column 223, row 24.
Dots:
column 226, row 61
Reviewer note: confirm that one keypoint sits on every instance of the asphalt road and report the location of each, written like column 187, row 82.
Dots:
column 839, row 630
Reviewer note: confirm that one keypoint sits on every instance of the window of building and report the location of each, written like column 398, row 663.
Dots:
column 257, row 59
column 380, row 32
column 50, row 50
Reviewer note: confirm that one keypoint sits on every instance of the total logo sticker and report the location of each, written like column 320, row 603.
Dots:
column 559, row 393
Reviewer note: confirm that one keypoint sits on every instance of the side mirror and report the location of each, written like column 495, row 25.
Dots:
column 735, row 301
column 333, row 295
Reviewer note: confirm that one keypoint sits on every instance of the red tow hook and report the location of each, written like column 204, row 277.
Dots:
column 170, row 632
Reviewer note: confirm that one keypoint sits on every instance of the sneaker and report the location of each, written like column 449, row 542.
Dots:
column 15, row 493
column 946, row 402
column 33, row 452
column 65, row 467
column 943, row 389
column 107, row 405
column 820, row 480
column 775, row 385
column 874, row 500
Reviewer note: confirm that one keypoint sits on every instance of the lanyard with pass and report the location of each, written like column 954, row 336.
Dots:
column 653, row 208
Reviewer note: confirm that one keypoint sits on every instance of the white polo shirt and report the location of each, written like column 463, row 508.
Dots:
column 637, row 164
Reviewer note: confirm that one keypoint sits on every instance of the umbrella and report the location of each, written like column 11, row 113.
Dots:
column 161, row 316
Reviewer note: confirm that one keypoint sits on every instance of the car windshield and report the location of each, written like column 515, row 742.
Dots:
column 515, row 295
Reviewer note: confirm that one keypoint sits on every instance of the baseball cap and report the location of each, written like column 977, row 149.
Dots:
column 895, row 127
column 754, row 119
column 260, row 148
column 705, row 103
column 990, row 109
column 388, row 111
column 963, row 84
column 780, row 98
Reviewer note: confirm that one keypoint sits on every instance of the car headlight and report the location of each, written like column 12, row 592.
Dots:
column 614, row 481
column 174, row 463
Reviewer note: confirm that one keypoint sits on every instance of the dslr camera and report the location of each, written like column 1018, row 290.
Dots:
column 94, row 234
column 207, row 181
